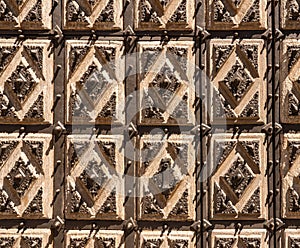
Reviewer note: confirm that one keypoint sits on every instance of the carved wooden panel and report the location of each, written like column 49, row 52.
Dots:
column 100, row 238
column 36, row 238
column 290, row 76
column 166, row 86
column 30, row 14
column 238, row 187
column 230, row 238
column 291, row 238
column 85, row 14
column 167, row 183
column 26, row 74
column 243, row 15
column 26, row 170
column 94, row 177
column 290, row 173
column 290, row 16
column 164, row 14
column 94, row 75
column 237, row 73
column 161, row 239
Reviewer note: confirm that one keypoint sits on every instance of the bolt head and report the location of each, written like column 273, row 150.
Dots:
column 129, row 226
column 57, row 224
column 58, row 129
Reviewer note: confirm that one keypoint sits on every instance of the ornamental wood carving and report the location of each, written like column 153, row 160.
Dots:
column 94, row 89
column 25, row 183
column 167, row 186
column 164, row 15
column 95, row 189
column 290, row 76
column 166, row 84
column 237, row 14
column 290, row 238
column 237, row 74
column 13, row 238
column 155, row 238
column 255, row 238
column 30, row 14
column 91, row 14
column 290, row 15
column 106, row 141
column 26, row 74
column 100, row 238
column 238, row 187
column 290, row 176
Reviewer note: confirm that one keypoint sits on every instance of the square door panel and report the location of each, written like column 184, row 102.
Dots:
column 289, row 77
column 164, row 15
column 95, row 187
column 15, row 238
column 290, row 16
column 95, row 88
column 161, row 239
column 291, row 238
column 31, row 14
column 100, row 238
column 26, row 171
column 166, row 85
column 166, row 179
column 88, row 15
column 238, row 83
column 246, row 238
column 26, row 74
column 290, row 173
column 238, row 185
column 237, row 15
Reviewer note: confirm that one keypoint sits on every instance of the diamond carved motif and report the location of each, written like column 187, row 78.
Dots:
column 291, row 238
column 290, row 76
column 238, row 186
column 166, row 84
column 91, row 14
column 27, row 14
column 36, row 238
column 26, row 76
column 238, row 177
column 20, row 177
column 95, row 90
column 239, row 15
column 166, row 178
column 94, row 183
column 26, row 185
column 290, row 16
column 101, row 238
column 155, row 239
column 164, row 14
column 290, row 176
column 237, row 73
column 246, row 238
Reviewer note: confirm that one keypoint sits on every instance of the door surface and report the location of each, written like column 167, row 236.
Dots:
column 149, row 123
